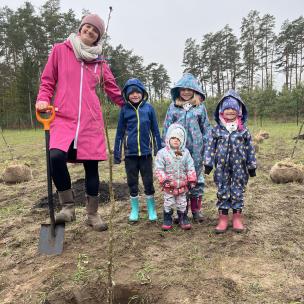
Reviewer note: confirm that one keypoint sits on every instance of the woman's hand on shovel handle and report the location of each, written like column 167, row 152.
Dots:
column 41, row 106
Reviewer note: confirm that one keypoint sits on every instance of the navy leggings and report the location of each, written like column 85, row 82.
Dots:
column 142, row 164
column 61, row 176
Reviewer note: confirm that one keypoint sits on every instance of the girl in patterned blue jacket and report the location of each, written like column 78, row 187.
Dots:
column 187, row 109
column 138, row 131
column 231, row 152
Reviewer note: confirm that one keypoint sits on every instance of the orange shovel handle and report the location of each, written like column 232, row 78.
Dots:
column 46, row 121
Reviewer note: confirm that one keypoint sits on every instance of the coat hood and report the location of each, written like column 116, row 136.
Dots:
column 233, row 94
column 134, row 82
column 188, row 81
column 173, row 130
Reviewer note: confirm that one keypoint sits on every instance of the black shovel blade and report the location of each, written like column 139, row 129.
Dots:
column 48, row 243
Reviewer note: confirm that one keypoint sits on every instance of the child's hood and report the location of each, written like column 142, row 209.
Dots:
column 188, row 81
column 134, row 82
column 231, row 93
column 177, row 130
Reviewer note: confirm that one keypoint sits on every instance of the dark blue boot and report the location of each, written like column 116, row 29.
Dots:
column 167, row 224
column 183, row 220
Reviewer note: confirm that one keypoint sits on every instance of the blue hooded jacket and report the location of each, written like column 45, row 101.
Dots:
column 194, row 120
column 196, row 123
column 137, row 126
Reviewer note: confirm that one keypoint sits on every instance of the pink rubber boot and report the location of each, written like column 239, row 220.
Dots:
column 196, row 205
column 222, row 223
column 237, row 221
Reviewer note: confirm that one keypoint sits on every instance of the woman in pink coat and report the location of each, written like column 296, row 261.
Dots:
column 74, row 69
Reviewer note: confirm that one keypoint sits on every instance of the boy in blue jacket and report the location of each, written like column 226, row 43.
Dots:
column 231, row 152
column 138, row 131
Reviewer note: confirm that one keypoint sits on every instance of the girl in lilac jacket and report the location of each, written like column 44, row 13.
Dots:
column 73, row 70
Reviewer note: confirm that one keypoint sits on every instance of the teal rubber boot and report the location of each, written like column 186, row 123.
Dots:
column 151, row 208
column 134, row 215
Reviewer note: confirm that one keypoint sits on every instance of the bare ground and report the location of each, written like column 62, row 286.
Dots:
column 265, row 264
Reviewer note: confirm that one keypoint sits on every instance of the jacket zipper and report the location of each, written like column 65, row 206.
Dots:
column 178, row 172
column 151, row 141
column 79, row 108
column 138, row 128
column 138, row 131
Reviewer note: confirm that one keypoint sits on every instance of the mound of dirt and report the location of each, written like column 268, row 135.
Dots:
column 17, row 173
column 301, row 136
column 264, row 134
column 258, row 139
column 286, row 172
column 260, row 136
column 121, row 192
column 96, row 293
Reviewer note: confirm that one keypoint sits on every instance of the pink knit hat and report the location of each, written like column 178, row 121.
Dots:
column 95, row 20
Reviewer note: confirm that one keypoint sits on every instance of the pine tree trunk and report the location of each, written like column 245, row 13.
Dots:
column 212, row 90
column 301, row 64
column 296, row 67
column 218, row 81
column 286, row 72
column 271, row 68
column 30, row 106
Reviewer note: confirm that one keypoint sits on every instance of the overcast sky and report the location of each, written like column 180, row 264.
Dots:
column 157, row 29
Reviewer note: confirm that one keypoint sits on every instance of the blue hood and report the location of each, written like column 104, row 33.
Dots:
column 134, row 82
column 188, row 81
column 231, row 93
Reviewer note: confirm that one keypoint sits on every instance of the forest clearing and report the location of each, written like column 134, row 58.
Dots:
column 265, row 264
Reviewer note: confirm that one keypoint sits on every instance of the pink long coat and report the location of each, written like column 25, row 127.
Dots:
column 79, row 115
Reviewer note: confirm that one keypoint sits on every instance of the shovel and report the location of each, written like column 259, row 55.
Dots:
column 51, row 235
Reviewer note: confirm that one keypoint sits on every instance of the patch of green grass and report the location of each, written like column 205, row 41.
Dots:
column 255, row 287
column 6, row 252
column 11, row 210
column 128, row 232
column 102, row 273
column 144, row 274
column 82, row 273
column 42, row 297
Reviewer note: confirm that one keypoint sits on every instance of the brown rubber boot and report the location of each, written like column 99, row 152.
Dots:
column 93, row 217
column 66, row 201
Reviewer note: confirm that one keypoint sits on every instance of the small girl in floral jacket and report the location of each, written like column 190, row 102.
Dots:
column 175, row 171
